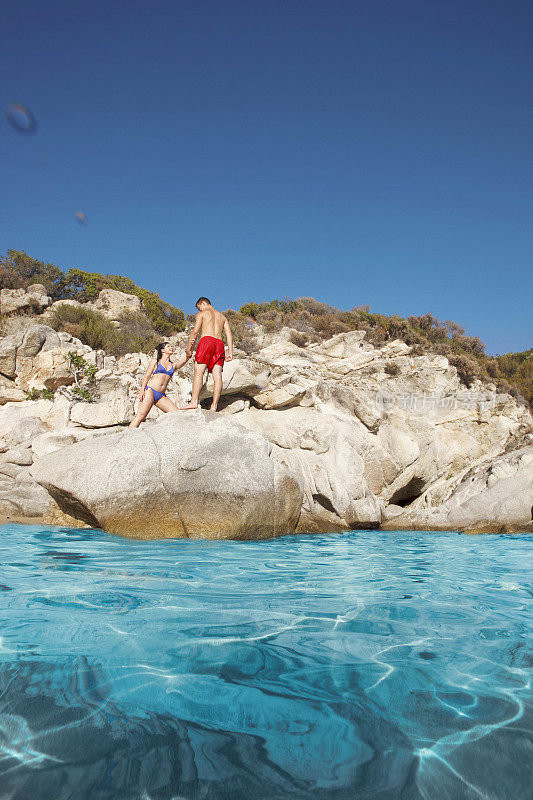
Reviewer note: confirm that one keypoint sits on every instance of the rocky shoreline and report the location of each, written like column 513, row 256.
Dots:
column 373, row 437
column 52, row 519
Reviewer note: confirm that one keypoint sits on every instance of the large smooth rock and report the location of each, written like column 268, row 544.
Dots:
column 116, row 411
column 113, row 304
column 37, row 338
column 21, row 429
column 279, row 396
column 19, row 351
column 240, row 376
column 193, row 474
column 25, row 498
column 53, row 440
column 19, row 455
column 325, row 453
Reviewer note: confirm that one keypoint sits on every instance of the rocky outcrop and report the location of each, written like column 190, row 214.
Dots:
column 325, row 453
column 197, row 476
column 37, row 358
column 113, row 304
column 376, row 436
column 9, row 391
column 494, row 496
column 34, row 298
column 363, row 436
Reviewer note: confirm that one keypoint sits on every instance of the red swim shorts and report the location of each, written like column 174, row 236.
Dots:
column 210, row 351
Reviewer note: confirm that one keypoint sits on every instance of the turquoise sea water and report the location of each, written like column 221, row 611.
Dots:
column 354, row 666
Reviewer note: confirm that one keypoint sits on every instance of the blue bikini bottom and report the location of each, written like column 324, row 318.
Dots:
column 157, row 395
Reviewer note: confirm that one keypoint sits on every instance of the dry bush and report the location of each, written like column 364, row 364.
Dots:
column 299, row 338
column 248, row 344
column 241, row 329
column 467, row 368
column 327, row 325
column 315, row 307
column 269, row 325
column 392, row 368
column 492, row 367
column 424, row 333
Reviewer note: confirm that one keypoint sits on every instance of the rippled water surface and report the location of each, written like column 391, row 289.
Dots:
column 353, row 666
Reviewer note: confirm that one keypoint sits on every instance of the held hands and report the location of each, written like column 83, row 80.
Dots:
column 181, row 361
column 229, row 357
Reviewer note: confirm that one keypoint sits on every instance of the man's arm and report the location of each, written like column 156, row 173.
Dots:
column 229, row 339
column 194, row 333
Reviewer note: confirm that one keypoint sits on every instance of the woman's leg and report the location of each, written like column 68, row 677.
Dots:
column 166, row 405
column 144, row 407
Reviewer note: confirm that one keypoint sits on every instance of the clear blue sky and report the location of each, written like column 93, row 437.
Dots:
column 368, row 151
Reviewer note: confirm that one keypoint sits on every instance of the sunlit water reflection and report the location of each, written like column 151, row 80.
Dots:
column 353, row 666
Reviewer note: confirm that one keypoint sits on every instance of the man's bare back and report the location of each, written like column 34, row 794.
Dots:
column 210, row 324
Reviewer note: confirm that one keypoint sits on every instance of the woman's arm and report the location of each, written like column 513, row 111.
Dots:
column 147, row 375
column 181, row 361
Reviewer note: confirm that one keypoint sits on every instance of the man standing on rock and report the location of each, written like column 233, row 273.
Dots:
column 210, row 353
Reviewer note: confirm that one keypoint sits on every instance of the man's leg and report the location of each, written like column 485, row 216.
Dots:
column 197, row 383
column 217, row 386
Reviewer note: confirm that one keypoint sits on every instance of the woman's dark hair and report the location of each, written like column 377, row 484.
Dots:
column 159, row 349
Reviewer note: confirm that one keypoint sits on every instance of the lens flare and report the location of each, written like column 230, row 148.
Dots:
column 20, row 118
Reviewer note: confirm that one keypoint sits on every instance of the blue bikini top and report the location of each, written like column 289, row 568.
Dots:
column 160, row 368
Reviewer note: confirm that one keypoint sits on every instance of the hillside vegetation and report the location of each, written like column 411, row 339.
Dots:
column 311, row 320
column 518, row 370
column 19, row 270
column 134, row 334
column 314, row 321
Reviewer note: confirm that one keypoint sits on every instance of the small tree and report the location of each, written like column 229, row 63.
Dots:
column 83, row 374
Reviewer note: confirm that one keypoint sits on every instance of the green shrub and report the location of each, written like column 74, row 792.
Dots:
column 133, row 334
column 19, row 270
column 90, row 327
column 84, row 286
column 83, row 374
column 40, row 394
column 517, row 368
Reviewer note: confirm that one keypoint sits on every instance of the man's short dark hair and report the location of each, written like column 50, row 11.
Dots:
column 202, row 300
